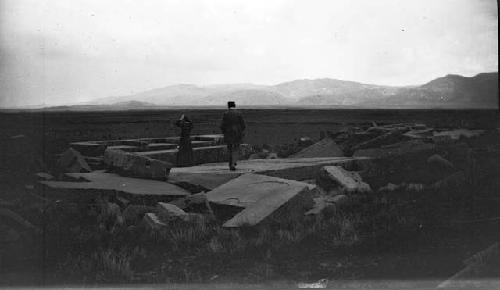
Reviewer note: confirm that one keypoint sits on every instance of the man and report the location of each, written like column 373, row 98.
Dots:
column 233, row 128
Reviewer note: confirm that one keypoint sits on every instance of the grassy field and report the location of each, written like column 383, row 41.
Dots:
column 52, row 131
column 401, row 235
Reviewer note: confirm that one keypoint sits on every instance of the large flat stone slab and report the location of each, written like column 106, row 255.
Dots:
column 210, row 176
column 262, row 197
column 100, row 180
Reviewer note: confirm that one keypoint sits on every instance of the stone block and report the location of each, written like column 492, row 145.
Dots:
column 334, row 177
column 262, row 198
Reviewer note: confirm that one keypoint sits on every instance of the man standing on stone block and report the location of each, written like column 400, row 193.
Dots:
column 233, row 128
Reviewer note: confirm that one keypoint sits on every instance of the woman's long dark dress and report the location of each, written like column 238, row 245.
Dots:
column 185, row 153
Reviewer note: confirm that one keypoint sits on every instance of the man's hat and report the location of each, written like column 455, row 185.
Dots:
column 231, row 104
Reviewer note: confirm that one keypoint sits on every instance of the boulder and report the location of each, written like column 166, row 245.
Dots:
column 272, row 155
column 134, row 213
column 440, row 163
column 340, row 200
column 152, row 222
column 44, row 176
column 262, row 198
column 335, row 177
column 72, row 161
column 167, row 211
column 305, row 141
column 324, row 148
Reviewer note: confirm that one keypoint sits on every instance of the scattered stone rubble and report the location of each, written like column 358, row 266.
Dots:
column 266, row 189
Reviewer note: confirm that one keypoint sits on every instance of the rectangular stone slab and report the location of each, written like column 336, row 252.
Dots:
column 212, row 175
column 259, row 195
column 161, row 146
column 126, row 148
column 110, row 181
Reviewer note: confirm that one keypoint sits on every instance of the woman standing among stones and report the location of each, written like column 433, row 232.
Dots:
column 185, row 153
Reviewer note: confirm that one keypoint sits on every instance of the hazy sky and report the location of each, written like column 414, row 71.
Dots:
column 68, row 51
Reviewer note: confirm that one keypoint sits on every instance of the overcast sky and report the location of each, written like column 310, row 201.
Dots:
column 60, row 52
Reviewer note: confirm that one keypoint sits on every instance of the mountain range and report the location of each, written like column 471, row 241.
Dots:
column 450, row 91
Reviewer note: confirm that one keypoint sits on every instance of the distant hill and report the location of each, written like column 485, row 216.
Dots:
column 451, row 91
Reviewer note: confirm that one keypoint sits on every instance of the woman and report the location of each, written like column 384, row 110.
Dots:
column 185, row 153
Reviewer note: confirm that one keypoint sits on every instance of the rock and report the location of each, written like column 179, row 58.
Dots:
column 440, row 163
column 262, row 199
column 153, row 222
column 194, row 218
column 134, row 213
column 340, row 200
column 305, row 141
column 134, row 165
column 334, row 177
column 321, row 206
column 425, row 134
column 111, row 212
column 454, row 180
column 459, row 133
column 123, row 201
column 272, row 155
column 324, row 148
column 390, row 187
column 167, row 211
column 180, row 203
column 419, row 126
column 72, row 161
column 43, row 176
